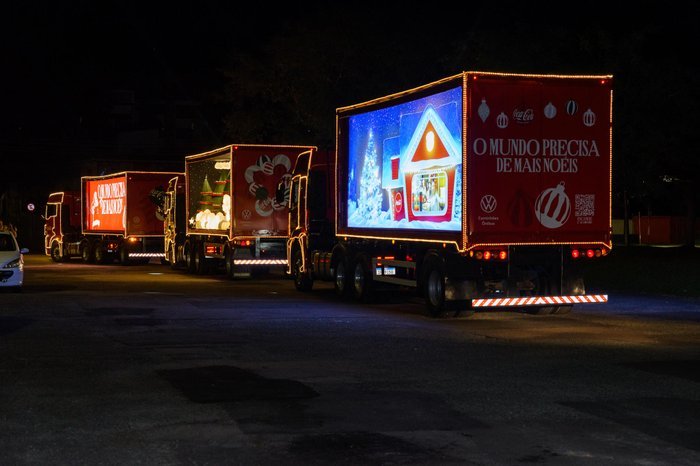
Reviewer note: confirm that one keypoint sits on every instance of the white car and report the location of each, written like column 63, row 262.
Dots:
column 11, row 261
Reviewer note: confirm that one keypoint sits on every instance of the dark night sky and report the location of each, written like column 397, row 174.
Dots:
column 61, row 60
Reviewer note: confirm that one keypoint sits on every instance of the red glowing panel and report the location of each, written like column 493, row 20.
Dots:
column 105, row 209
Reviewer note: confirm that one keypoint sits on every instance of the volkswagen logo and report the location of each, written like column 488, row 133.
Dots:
column 488, row 203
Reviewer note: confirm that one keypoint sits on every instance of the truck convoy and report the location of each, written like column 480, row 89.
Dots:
column 481, row 190
column 112, row 217
column 229, row 210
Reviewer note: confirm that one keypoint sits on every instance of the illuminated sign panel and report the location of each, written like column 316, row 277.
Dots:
column 105, row 209
column 405, row 165
column 539, row 160
column 235, row 191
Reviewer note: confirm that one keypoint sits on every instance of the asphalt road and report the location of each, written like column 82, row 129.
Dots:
column 147, row 365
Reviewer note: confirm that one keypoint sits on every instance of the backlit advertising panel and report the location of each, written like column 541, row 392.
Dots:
column 405, row 165
column 539, row 159
column 105, row 209
column 234, row 190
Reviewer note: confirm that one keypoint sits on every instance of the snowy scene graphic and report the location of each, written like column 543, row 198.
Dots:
column 405, row 165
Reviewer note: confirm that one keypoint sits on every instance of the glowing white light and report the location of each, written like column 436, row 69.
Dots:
column 430, row 141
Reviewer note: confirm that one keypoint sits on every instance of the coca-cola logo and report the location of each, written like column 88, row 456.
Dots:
column 398, row 203
column 523, row 116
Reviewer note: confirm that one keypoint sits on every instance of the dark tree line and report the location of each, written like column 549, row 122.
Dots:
column 287, row 89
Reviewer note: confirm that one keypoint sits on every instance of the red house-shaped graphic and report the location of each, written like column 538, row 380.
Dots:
column 429, row 165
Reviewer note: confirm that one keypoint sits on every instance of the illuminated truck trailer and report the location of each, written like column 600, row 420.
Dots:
column 235, row 204
column 487, row 189
column 118, row 219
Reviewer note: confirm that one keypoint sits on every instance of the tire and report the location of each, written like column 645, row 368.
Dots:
column 341, row 279
column 230, row 263
column 56, row 252
column 124, row 255
column 302, row 280
column 200, row 263
column 172, row 257
column 189, row 258
column 434, row 286
column 100, row 257
column 362, row 279
column 541, row 310
column 87, row 253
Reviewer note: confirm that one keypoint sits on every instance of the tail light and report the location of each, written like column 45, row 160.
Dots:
column 588, row 253
column 489, row 255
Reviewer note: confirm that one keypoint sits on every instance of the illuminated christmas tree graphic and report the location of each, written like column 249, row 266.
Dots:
column 205, row 195
column 370, row 199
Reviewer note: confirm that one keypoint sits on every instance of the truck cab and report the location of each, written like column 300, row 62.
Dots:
column 311, row 218
column 62, row 225
column 174, row 219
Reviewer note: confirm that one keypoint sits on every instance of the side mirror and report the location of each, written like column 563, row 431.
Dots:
column 24, row 251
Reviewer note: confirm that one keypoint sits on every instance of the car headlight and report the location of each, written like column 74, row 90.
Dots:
column 12, row 264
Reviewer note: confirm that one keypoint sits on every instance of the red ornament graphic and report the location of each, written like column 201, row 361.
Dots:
column 553, row 207
column 502, row 120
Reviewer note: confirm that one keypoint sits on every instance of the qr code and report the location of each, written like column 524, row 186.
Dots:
column 584, row 205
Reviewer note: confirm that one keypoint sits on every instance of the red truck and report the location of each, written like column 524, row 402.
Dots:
column 113, row 217
column 228, row 212
column 487, row 190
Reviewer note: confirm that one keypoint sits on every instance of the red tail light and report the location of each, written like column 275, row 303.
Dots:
column 487, row 255
column 502, row 255
column 575, row 253
column 590, row 253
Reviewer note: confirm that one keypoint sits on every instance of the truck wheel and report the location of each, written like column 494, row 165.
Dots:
column 172, row 257
column 87, row 253
column 302, row 281
column 230, row 263
column 56, row 252
column 540, row 310
column 99, row 254
column 362, row 279
column 189, row 258
column 340, row 278
column 200, row 264
column 434, row 283
column 563, row 309
column 124, row 255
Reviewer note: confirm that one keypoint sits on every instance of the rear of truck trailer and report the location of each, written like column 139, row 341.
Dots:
column 483, row 188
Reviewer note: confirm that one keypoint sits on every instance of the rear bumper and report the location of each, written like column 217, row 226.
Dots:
column 540, row 301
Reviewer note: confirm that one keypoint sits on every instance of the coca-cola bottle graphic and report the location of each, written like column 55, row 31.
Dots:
column 520, row 209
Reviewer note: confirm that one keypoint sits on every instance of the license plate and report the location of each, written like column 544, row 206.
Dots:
column 389, row 270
